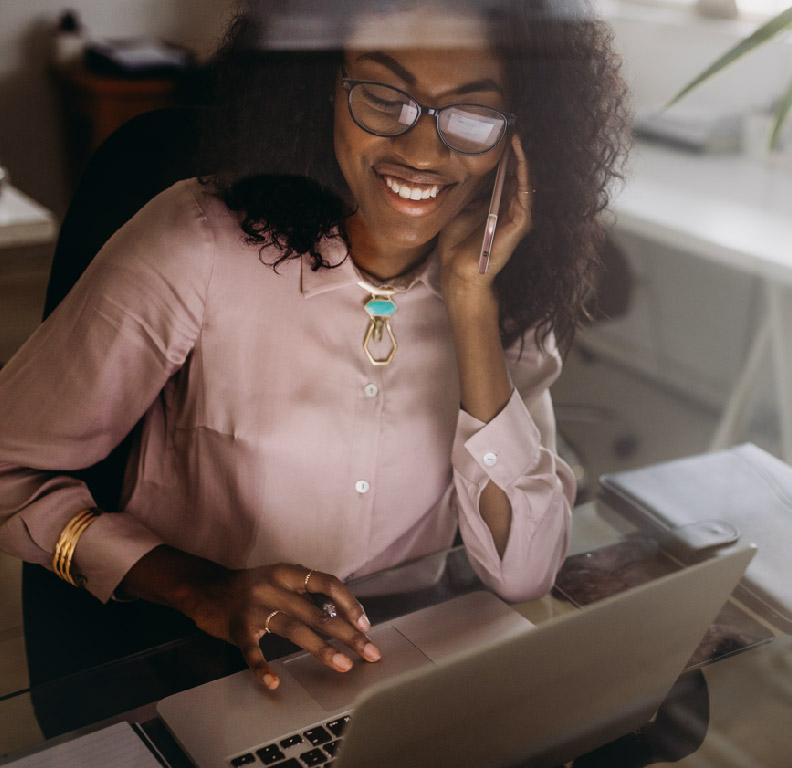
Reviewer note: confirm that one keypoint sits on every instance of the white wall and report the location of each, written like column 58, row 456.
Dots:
column 30, row 136
column 664, row 48
column 691, row 322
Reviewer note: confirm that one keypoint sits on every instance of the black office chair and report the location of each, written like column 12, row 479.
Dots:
column 66, row 629
column 141, row 159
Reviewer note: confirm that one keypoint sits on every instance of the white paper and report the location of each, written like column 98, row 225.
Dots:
column 117, row 746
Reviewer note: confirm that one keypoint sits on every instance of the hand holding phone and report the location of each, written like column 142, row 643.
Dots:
column 492, row 217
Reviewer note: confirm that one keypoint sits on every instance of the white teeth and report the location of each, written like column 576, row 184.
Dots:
column 411, row 193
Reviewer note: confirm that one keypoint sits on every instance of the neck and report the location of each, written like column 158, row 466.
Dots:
column 382, row 260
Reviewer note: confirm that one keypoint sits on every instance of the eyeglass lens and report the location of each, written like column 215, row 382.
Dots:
column 465, row 128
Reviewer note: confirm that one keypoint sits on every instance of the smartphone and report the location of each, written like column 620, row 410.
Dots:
column 492, row 217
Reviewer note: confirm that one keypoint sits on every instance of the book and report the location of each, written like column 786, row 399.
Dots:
column 694, row 505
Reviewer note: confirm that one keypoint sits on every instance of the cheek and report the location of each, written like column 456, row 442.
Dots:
column 350, row 145
column 481, row 174
column 341, row 143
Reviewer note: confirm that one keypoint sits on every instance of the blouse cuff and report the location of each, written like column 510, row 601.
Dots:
column 502, row 450
column 109, row 548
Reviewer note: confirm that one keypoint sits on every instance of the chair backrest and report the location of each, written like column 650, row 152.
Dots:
column 138, row 161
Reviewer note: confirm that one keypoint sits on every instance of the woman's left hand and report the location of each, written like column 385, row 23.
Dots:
column 459, row 244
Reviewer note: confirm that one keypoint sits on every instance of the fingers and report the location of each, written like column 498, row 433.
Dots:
column 343, row 599
column 303, row 634
column 251, row 651
column 524, row 191
column 516, row 221
column 301, row 614
column 523, row 169
column 279, row 601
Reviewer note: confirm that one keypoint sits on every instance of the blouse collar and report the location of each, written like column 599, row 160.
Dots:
column 334, row 251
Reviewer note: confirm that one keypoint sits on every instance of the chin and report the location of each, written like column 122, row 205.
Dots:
column 402, row 232
column 406, row 237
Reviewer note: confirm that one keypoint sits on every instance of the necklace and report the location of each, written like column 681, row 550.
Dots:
column 379, row 307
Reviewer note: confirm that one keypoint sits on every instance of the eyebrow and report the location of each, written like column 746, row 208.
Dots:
column 475, row 86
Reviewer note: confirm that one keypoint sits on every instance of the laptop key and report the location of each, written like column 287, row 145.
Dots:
column 332, row 747
column 317, row 735
column 243, row 760
column 291, row 741
column 270, row 754
column 337, row 726
column 314, row 757
column 290, row 763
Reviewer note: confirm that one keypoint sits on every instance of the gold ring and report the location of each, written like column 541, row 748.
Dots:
column 307, row 577
column 269, row 618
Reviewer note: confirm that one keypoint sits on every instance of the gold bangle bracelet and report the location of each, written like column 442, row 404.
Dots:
column 64, row 544
column 67, row 542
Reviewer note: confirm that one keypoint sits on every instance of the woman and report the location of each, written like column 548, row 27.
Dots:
column 328, row 383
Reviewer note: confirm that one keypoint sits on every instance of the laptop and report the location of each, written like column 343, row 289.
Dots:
column 468, row 682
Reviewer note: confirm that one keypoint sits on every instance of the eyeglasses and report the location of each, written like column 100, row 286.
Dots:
column 379, row 109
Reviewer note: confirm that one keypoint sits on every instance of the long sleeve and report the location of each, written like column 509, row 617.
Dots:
column 516, row 451
column 89, row 373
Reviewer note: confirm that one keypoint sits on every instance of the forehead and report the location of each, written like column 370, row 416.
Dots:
column 430, row 71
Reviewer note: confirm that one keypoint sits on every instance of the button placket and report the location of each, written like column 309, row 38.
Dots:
column 369, row 404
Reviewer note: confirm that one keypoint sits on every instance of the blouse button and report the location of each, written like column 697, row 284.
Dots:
column 371, row 390
column 490, row 459
column 362, row 486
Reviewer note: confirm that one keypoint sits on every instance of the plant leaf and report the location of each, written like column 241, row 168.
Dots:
column 761, row 35
column 781, row 115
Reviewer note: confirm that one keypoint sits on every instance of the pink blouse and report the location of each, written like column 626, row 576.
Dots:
column 267, row 434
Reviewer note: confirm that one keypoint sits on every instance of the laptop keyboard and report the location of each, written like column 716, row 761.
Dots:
column 316, row 745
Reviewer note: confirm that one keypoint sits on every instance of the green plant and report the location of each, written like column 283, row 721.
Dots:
column 760, row 36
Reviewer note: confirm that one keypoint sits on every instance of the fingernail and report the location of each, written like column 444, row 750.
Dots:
column 371, row 652
column 341, row 662
column 271, row 681
column 364, row 623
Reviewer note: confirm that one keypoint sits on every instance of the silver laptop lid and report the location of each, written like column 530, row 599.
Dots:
column 548, row 694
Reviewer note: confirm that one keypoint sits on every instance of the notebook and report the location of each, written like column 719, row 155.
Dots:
column 121, row 745
column 698, row 503
column 466, row 683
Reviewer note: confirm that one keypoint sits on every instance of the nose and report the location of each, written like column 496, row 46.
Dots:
column 421, row 146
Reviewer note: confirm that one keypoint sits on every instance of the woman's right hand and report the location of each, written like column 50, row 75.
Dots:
column 243, row 605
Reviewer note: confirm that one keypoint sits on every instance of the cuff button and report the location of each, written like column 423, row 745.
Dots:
column 490, row 459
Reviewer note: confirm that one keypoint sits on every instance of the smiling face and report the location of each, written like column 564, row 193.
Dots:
column 408, row 187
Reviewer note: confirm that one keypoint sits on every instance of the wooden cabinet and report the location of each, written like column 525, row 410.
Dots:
column 95, row 105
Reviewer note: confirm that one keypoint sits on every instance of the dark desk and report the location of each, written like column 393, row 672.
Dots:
column 743, row 703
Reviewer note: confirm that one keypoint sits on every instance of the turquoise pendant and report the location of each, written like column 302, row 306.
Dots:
column 379, row 307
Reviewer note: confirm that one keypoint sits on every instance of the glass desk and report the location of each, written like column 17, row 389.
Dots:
column 735, row 712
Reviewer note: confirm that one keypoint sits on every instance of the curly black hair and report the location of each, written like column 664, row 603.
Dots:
column 271, row 141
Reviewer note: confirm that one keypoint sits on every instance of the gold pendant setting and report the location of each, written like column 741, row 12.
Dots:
column 380, row 306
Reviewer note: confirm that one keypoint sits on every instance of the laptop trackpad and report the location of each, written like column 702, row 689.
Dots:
column 337, row 690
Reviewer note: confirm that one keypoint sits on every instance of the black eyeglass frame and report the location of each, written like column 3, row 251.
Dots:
column 349, row 83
